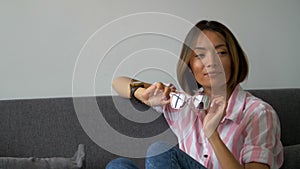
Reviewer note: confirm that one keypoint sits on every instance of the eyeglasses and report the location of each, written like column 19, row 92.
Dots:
column 179, row 100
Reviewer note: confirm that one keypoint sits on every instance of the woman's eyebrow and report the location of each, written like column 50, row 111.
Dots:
column 216, row 47
column 199, row 48
column 220, row 45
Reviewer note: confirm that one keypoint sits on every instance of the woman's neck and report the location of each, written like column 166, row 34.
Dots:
column 218, row 91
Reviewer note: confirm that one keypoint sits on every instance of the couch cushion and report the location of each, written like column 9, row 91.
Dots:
column 50, row 128
column 76, row 162
column 291, row 157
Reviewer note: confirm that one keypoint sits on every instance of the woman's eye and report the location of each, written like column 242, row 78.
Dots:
column 222, row 53
column 200, row 55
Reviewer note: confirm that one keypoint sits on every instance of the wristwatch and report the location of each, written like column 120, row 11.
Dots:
column 134, row 85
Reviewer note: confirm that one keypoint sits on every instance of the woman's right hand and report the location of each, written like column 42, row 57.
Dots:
column 157, row 94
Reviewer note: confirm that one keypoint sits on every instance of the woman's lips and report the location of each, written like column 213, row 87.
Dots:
column 212, row 74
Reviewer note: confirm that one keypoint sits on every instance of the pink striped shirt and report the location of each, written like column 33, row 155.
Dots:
column 250, row 130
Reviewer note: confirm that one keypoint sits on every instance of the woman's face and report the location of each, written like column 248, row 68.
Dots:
column 211, row 60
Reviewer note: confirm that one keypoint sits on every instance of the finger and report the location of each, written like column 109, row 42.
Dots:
column 215, row 104
column 159, row 88
column 212, row 107
column 164, row 102
column 149, row 92
column 172, row 87
column 220, row 103
column 219, row 98
column 160, row 85
column 167, row 91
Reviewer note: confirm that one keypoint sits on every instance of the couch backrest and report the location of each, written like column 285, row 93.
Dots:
column 44, row 128
column 50, row 127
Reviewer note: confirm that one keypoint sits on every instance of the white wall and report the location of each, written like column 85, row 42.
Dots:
column 48, row 47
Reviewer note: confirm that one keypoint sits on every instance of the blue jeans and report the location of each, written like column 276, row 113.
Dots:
column 159, row 156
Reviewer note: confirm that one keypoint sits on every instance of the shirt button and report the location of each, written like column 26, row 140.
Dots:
column 205, row 155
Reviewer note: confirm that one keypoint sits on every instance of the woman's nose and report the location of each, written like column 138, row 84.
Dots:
column 212, row 60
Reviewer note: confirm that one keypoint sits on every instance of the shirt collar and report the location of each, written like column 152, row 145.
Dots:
column 236, row 104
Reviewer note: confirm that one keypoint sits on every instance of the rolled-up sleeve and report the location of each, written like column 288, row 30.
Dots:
column 262, row 141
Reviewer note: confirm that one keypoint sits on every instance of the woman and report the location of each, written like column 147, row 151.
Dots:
column 237, row 130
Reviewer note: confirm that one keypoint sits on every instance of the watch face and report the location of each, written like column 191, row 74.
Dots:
column 137, row 83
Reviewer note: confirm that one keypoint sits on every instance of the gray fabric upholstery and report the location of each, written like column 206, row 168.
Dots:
column 50, row 128
column 292, row 157
column 75, row 162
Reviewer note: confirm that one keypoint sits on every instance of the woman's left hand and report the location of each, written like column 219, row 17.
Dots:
column 214, row 115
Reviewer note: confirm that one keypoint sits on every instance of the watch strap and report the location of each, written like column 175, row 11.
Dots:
column 133, row 88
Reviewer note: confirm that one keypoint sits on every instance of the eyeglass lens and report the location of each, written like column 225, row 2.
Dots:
column 178, row 100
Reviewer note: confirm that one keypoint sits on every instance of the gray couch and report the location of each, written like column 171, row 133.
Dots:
column 50, row 128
